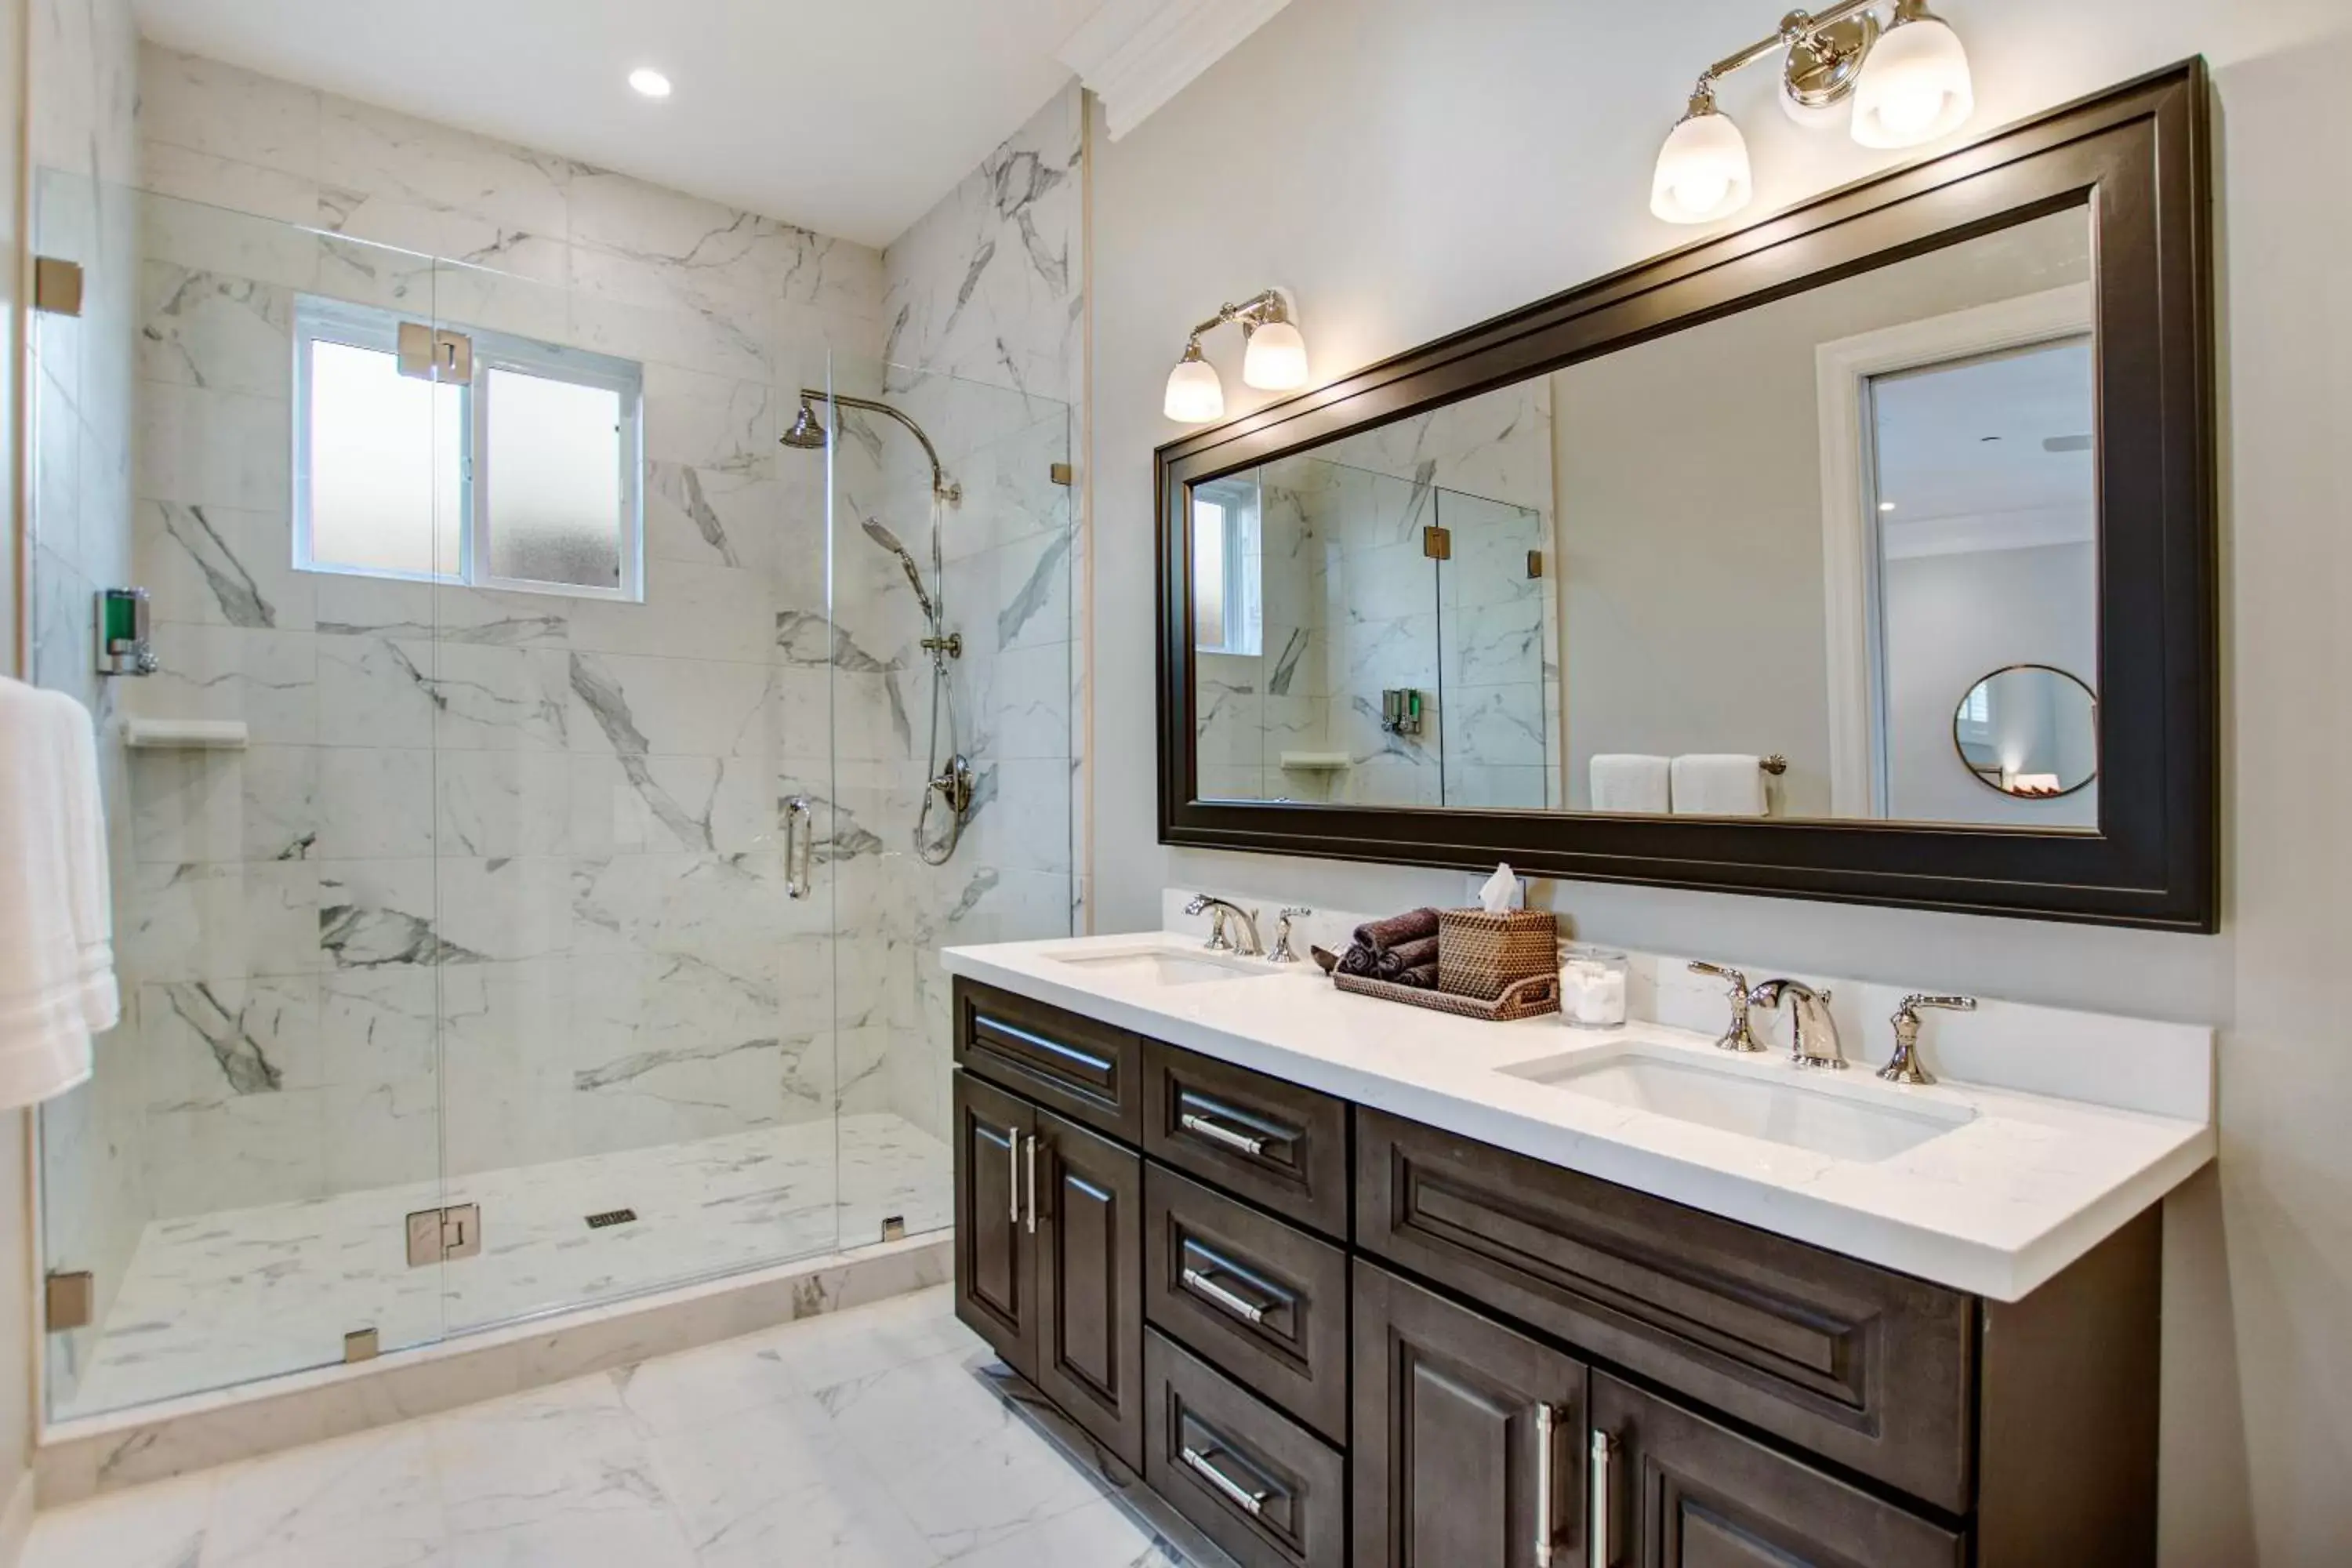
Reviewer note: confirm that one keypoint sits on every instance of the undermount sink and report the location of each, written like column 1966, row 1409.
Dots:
column 1844, row 1126
column 1164, row 965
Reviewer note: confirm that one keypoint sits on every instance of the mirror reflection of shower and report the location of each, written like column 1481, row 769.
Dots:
column 948, row 772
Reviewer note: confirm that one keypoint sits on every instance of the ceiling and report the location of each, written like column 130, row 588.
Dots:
column 1965, row 443
column 851, row 118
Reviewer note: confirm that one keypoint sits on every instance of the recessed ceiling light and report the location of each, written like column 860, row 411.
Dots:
column 1886, row 506
column 650, row 82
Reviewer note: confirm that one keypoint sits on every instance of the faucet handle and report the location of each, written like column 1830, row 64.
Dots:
column 1219, row 941
column 1736, row 1035
column 1282, row 952
column 1903, row 1067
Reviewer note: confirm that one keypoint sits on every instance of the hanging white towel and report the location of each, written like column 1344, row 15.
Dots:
column 1626, row 782
column 1728, row 783
column 56, row 963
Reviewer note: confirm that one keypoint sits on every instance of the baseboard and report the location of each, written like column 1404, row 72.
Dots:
column 86, row 1457
column 17, row 1523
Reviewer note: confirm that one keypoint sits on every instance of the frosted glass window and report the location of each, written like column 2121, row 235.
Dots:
column 387, row 474
column 552, row 480
column 1209, row 576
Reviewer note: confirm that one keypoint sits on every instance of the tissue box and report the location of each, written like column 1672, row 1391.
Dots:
column 1484, row 955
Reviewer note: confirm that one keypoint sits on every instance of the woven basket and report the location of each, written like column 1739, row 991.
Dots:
column 1484, row 955
column 1531, row 998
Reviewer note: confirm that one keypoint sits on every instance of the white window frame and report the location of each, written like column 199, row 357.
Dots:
column 1245, row 608
column 317, row 319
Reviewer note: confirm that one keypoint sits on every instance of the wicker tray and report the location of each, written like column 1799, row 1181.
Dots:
column 1531, row 998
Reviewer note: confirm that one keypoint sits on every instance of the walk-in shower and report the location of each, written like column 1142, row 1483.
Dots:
column 948, row 789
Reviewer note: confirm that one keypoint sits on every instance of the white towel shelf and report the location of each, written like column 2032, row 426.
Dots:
column 1318, row 761
column 185, row 734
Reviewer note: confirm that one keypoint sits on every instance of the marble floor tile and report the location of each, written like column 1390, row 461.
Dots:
column 734, row 1455
column 217, row 1300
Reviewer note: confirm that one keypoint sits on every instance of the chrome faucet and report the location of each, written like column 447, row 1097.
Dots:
column 1737, row 1035
column 1220, row 912
column 1813, row 1037
column 1283, row 952
column 1904, row 1066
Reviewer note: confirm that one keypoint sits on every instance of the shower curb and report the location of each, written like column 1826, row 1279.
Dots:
column 98, row 1454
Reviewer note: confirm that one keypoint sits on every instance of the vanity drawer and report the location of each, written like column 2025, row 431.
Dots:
column 1267, row 1490
column 1275, row 1143
column 1265, row 1300
column 1087, row 1070
column 1869, row 1369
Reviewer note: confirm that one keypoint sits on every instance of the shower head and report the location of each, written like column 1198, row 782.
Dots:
column 889, row 541
column 807, row 432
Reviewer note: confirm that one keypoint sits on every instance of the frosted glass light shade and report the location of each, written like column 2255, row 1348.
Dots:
column 1913, row 87
column 1195, row 395
column 1703, row 172
column 1275, row 360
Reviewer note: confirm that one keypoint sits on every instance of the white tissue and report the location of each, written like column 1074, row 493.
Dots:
column 1500, row 890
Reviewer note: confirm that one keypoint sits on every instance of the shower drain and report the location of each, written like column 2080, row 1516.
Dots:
column 611, row 1217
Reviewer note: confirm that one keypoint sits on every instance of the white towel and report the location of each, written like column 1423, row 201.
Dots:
column 1725, row 784
column 1625, row 782
column 57, row 960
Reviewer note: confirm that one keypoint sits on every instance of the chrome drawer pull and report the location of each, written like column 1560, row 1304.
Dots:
column 1604, row 1449
column 1218, row 1132
column 1203, row 1285
column 1248, row 1502
column 1545, row 1443
column 1013, row 1173
column 1032, row 1184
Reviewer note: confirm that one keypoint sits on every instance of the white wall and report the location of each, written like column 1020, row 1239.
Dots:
column 1444, row 208
column 17, row 1331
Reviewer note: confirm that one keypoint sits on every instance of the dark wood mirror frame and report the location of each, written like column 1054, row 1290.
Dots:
column 2138, row 156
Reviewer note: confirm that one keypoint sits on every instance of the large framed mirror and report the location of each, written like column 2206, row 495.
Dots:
column 1679, row 576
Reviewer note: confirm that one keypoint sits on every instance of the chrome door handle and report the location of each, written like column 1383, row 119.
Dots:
column 800, row 848
column 1604, row 1449
column 1218, row 1132
column 1546, row 1441
column 1248, row 1502
column 1206, row 1286
column 1032, row 1184
column 1013, row 1173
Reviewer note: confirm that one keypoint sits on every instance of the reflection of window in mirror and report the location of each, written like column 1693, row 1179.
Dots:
column 1228, row 613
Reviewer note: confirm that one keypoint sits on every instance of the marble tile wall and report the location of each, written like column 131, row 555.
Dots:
column 530, row 842
column 984, row 337
column 95, row 1195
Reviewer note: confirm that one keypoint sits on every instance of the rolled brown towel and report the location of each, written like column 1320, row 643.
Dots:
column 1359, row 961
column 1411, row 955
column 1424, row 978
column 1397, row 929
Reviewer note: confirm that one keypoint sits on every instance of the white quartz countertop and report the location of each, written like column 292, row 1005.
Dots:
column 2019, row 1186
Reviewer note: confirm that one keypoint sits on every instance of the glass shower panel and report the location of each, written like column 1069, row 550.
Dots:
column 1499, row 646
column 1388, row 712
column 950, row 667
column 236, row 1178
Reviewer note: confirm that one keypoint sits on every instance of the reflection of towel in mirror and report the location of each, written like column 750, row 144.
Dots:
column 1720, row 784
column 1397, row 929
column 1389, row 965
column 1626, row 782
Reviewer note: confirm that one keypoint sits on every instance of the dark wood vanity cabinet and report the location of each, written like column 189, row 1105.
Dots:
column 1333, row 1338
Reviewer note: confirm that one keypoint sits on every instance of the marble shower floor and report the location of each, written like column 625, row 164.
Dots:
column 214, row 1300
column 882, row 1436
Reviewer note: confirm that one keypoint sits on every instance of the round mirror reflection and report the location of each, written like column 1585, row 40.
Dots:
column 2031, row 731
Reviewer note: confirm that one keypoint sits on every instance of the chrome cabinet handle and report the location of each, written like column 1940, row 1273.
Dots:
column 1218, row 1132
column 800, row 847
column 1013, row 1173
column 1032, row 1184
column 1204, row 1285
column 1604, row 1449
column 1248, row 1502
column 1546, row 1441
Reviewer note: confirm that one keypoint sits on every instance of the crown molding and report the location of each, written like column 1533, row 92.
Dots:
column 1136, row 55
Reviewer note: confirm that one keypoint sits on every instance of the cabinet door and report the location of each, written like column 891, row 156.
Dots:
column 1089, row 1205
column 1678, row 1491
column 1468, row 1437
column 996, row 1268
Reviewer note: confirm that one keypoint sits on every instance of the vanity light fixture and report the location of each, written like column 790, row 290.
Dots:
column 649, row 82
column 1274, row 360
column 1897, row 83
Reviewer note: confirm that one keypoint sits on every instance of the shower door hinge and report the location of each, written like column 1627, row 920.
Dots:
column 431, row 355
column 70, row 1301
column 1535, row 564
column 362, row 1344
column 1437, row 544
column 56, row 286
column 445, row 1235
column 1060, row 474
